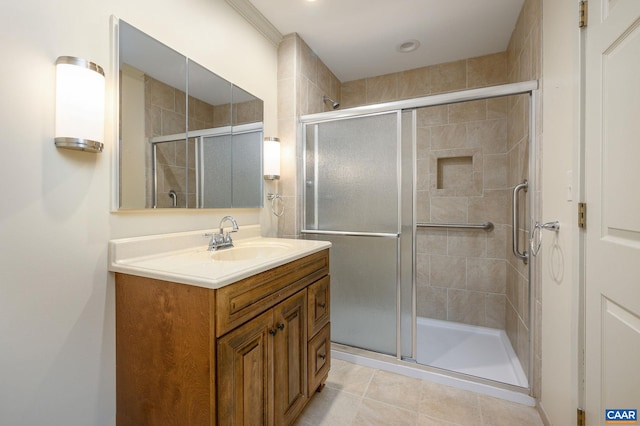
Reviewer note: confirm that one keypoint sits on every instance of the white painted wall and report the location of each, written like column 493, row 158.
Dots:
column 57, row 340
column 561, row 126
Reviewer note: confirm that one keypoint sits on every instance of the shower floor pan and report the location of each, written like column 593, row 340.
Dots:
column 467, row 349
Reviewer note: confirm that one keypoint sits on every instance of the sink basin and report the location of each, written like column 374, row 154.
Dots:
column 250, row 252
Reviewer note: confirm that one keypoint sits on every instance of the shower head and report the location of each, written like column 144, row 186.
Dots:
column 334, row 104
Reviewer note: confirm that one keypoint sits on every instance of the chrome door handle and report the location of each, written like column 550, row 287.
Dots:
column 516, row 210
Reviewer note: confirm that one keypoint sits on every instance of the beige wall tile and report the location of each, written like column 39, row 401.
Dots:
column 448, row 77
column 449, row 209
column 222, row 115
column 200, row 110
column 497, row 108
column 431, row 241
column 467, row 111
column 423, row 142
column 488, row 70
column 432, row 116
column 448, row 272
column 159, row 94
column 490, row 135
column 466, row 306
column 153, row 121
column 467, row 243
column 511, row 324
column 308, row 61
column 495, row 311
column 494, row 206
column 423, row 209
column 448, row 136
column 497, row 241
column 414, row 83
column 315, row 103
column 487, row 275
column 432, row 302
column 325, row 78
column 172, row 122
column 423, row 175
column 353, row 93
column 495, row 171
column 382, row 89
column 422, row 269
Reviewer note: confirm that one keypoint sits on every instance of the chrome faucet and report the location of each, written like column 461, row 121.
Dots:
column 220, row 240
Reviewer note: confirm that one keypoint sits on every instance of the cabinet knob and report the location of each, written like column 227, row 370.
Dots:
column 281, row 326
column 273, row 331
column 322, row 356
column 322, row 305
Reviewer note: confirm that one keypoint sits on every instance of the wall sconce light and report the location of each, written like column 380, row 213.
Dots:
column 79, row 104
column 271, row 158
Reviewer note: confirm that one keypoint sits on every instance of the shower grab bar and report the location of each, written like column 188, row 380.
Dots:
column 487, row 226
column 351, row 233
column 516, row 212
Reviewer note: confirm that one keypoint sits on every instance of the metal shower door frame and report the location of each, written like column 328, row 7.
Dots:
column 309, row 121
column 529, row 88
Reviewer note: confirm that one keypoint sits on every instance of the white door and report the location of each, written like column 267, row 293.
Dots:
column 612, row 183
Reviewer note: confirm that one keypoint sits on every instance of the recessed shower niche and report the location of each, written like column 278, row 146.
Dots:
column 457, row 172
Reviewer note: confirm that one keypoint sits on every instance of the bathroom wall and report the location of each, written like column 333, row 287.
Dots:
column 562, row 354
column 57, row 350
column 462, row 178
column 303, row 79
column 524, row 63
column 471, row 73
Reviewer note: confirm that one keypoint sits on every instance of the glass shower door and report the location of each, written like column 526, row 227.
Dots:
column 351, row 198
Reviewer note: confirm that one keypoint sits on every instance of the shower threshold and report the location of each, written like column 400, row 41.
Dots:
column 468, row 349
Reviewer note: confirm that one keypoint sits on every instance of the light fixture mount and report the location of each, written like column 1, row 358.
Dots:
column 408, row 46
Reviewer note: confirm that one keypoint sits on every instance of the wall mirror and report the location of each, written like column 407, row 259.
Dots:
column 188, row 138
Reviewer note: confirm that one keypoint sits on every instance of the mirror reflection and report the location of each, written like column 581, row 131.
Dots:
column 188, row 138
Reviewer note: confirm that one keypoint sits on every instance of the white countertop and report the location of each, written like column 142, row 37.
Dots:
column 183, row 257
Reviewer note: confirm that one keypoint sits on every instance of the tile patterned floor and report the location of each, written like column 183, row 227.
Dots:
column 356, row 395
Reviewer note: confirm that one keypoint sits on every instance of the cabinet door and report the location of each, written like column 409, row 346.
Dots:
column 290, row 357
column 245, row 373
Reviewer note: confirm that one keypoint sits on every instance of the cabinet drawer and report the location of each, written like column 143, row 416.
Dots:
column 239, row 302
column 319, row 358
column 318, row 305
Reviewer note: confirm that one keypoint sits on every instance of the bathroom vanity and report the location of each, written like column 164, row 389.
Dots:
column 200, row 344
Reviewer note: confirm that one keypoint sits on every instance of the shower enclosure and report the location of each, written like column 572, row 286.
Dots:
column 427, row 203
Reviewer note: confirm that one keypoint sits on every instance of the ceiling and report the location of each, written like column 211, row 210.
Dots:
column 359, row 38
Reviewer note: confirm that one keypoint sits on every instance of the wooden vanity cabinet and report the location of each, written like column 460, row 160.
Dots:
column 250, row 353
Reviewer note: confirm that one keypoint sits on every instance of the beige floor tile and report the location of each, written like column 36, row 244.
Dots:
column 330, row 407
column 395, row 389
column 392, row 399
column 450, row 404
column 497, row 412
column 373, row 413
column 349, row 377
column 424, row 420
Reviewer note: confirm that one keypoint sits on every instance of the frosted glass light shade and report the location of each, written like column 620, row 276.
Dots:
column 79, row 104
column 271, row 158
